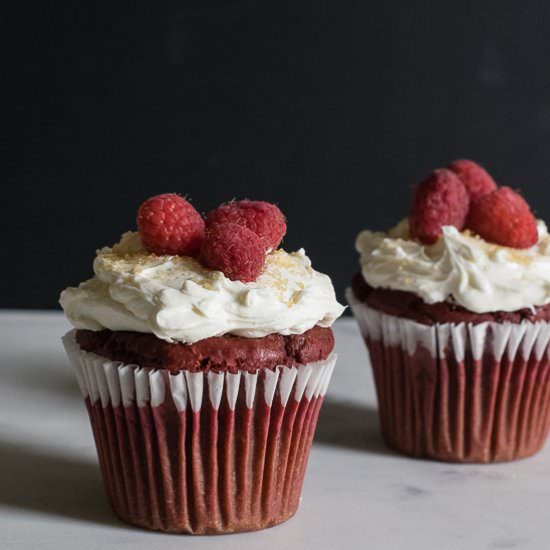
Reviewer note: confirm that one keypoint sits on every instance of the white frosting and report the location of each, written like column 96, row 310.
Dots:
column 177, row 299
column 460, row 267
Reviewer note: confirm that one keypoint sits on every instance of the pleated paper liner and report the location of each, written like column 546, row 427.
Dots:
column 201, row 452
column 459, row 392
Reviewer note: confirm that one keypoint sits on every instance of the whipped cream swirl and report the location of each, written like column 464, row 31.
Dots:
column 178, row 300
column 460, row 267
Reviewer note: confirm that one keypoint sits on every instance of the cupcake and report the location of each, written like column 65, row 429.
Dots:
column 203, row 352
column 454, row 307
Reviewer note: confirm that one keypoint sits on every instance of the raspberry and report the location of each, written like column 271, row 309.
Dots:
column 264, row 218
column 503, row 217
column 168, row 224
column 475, row 178
column 441, row 199
column 234, row 250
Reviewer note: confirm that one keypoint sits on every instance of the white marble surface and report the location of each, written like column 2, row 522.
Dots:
column 356, row 495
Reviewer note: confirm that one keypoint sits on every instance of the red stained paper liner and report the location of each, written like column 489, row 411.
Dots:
column 459, row 392
column 201, row 452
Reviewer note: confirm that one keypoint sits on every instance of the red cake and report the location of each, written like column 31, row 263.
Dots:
column 408, row 305
column 454, row 306
column 220, row 354
column 203, row 352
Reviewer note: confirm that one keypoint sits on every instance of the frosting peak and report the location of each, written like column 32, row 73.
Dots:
column 177, row 299
column 460, row 267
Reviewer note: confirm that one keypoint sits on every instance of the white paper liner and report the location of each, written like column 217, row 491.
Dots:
column 460, row 338
column 201, row 452
column 113, row 382
column 458, row 391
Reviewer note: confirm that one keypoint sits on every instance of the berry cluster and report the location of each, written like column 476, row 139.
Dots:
column 465, row 195
column 234, row 238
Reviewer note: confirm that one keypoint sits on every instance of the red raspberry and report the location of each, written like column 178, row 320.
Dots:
column 264, row 218
column 441, row 199
column 234, row 250
column 503, row 217
column 168, row 224
column 475, row 178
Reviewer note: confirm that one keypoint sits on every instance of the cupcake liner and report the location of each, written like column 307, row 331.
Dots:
column 201, row 452
column 457, row 391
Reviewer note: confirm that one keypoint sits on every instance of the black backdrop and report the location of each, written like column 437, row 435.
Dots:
column 330, row 109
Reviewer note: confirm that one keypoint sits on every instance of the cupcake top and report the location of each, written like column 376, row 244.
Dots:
column 466, row 242
column 188, row 280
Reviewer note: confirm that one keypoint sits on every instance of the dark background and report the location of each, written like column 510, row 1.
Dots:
column 330, row 109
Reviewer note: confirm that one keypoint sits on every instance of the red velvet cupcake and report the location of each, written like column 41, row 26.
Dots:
column 454, row 308
column 203, row 353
